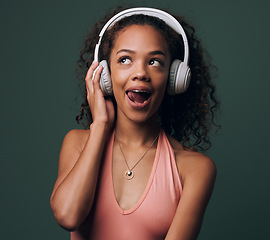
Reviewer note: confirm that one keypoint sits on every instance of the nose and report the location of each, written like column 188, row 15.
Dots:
column 140, row 72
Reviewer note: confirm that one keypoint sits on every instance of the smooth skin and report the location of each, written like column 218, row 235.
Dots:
column 139, row 58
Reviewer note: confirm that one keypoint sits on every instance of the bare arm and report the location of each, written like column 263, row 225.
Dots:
column 79, row 160
column 74, row 190
column 198, row 177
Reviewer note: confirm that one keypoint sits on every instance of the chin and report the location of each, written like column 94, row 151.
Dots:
column 140, row 117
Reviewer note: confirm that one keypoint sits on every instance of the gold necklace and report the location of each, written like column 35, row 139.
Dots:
column 129, row 173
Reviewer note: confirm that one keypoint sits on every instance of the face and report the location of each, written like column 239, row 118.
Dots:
column 139, row 64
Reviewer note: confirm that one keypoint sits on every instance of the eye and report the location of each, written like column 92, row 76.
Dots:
column 124, row 60
column 155, row 62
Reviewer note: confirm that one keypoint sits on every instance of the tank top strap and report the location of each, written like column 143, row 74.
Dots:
column 167, row 166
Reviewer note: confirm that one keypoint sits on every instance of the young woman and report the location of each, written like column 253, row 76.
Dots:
column 127, row 177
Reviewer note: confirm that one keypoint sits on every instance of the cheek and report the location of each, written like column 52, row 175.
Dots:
column 162, row 85
column 118, row 77
column 118, row 83
column 161, row 90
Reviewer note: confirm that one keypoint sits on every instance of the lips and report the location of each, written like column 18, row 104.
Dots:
column 139, row 96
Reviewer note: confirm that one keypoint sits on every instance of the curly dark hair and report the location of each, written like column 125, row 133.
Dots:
column 189, row 116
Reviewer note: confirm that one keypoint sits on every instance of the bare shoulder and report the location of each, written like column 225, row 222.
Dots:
column 71, row 149
column 76, row 138
column 191, row 163
column 197, row 173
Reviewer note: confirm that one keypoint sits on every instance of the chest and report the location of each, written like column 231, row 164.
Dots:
column 142, row 209
column 128, row 190
column 144, row 205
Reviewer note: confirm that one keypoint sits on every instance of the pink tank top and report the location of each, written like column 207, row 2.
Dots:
column 151, row 217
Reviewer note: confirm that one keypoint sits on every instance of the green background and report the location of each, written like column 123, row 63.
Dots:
column 40, row 42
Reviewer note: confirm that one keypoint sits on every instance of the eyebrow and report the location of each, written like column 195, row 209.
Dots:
column 151, row 53
column 157, row 53
column 125, row 50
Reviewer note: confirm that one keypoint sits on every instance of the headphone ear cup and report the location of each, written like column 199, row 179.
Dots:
column 172, row 77
column 179, row 77
column 105, row 79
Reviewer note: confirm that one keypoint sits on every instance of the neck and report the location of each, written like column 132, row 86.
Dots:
column 135, row 133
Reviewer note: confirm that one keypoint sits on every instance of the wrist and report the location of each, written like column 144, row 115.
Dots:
column 99, row 126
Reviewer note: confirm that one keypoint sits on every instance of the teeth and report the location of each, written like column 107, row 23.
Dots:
column 137, row 91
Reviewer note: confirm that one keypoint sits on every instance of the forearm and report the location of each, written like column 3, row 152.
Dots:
column 188, row 229
column 72, row 200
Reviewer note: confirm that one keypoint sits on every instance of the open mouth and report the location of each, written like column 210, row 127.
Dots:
column 138, row 96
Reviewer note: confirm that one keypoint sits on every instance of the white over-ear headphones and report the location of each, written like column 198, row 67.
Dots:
column 179, row 77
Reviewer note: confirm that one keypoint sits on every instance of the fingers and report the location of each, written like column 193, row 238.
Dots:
column 92, row 77
column 88, row 78
column 102, row 110
column 91, row 70
column 96, row 78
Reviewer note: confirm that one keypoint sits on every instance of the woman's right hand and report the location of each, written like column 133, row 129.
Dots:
column 102, row 109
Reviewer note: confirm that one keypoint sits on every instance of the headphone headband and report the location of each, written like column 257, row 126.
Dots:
column 167, row 18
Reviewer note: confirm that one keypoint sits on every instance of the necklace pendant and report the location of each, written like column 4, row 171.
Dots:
column 129, row 175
